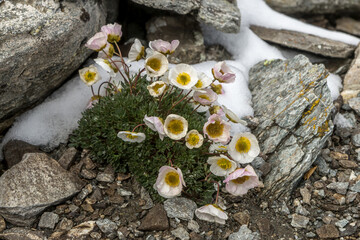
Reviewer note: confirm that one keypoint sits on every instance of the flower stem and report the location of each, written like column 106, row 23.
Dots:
column 141, row 124
column 92, row 90
column 195, row 109
column 179, row 100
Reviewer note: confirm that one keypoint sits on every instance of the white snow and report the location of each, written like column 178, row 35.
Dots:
column 51, row 122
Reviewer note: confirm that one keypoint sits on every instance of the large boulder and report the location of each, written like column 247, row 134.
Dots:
column 32, row 185
column 315, row 6
column 223, row 15
column 42, row 44
column 293, row 104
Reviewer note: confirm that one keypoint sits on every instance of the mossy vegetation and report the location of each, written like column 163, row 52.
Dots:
column 123, row 111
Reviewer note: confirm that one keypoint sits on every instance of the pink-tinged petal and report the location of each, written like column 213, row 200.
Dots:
column 234, row 175
column 97, row 42
column 181, row 177
column 174, row 45
column 223, row 73
column 231, row 187
column 112, row 31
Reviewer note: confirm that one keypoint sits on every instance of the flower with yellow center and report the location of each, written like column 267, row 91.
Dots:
column 137, row 51
column 244, row 147
column 175, row 126
column 218, row 148
column 217, row 88
column 194, row 139
column 183, row 76
column 241, row 180
column 128, row 136
column 217, row 129
column 89, row 75
column 232, row 116
column 205, row 97
column 156, row 124
column 156, row 88
column 156, row 65
column 203, row 81
column 169, row 182
column 216, row 110
column 108, row 66
column 211, row 213
column 221, row 165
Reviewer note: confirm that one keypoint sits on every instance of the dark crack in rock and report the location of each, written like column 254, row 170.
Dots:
column 293, row 103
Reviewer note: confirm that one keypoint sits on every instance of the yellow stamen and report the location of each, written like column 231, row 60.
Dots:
column 243, row 145
column 217, row 88
column 241, row 180
column 113, row 38
column 193, row 139
column 172, row 179
column 183, row 79
column 206, row 97
column 89, row 76
column 199, row 84
column 154, row 63
column 110, row 65
column 175, row 126
column 215, row 129
column 157, row 86
column 130, row 136
column 141, row 53
column 224, row 163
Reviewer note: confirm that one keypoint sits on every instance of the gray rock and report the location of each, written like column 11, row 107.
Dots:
column 48, row 220
column 105, row 177
column 37, row 182
column 354, row 103
column 291, row 96
column 17, row 233
column 81, row 230
column 306, row 195
column 339, row 187
column 345, row 124
column 146, row 196
column 323, row 167
column 15, row 149
column 355, row 187
column 65, row 225
column 222, row 15
column 299, row 221
column 351, row 80
column 355, row 138
column 155, row 220
column 284, row 208
column 180, row 207
column 244, row 233
column 341, row 223
column 43, row 43
column 106, row 226
column 193, row 226
column 68, row 158
column 2, row 224
column 348, row 25
column 191, row 49
column 350, row 197
column 301, row 210
column 315, row 6
column 180, row 233
column 306, row 42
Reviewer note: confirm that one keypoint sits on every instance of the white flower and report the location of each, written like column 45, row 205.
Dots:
column 217, row 129
column 211, row 213
column 107, row 66
column 183, row 76
column 232, row 116
column 164, row 47
column 169, row 182
column 244, row 147
column 137, row 51
column 241, row 180
column 89, row 75
column 128, row 136
column 155, row 124
column 223, row 73
column 221, row 165
column 175, row 126
column 194, row 139
column 156, row 65
column 205, row 97
column 203, row 81
column 156, row 88
column 218, row 148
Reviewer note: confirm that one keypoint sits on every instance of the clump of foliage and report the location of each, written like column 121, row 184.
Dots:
column 98, row 130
